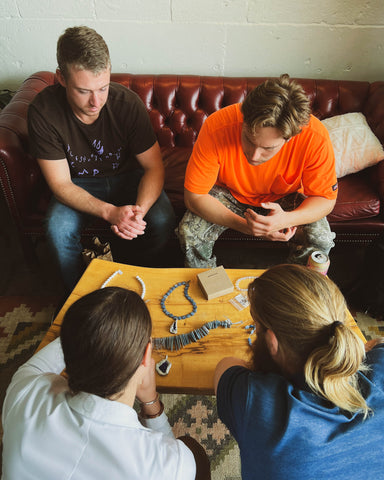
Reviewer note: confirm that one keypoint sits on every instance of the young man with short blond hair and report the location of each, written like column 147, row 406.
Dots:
column 96, row 147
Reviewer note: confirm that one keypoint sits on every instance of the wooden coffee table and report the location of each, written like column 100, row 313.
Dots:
column 193, row 366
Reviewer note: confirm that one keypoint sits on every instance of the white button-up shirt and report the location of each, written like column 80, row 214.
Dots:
column 51, row 434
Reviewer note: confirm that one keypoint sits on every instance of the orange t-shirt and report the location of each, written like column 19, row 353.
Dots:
column 305, row 164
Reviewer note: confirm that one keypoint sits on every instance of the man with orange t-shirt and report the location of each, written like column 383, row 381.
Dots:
column 265, row 168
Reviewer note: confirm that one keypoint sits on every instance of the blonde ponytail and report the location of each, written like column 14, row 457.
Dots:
column 307, row 313
column 331, row 370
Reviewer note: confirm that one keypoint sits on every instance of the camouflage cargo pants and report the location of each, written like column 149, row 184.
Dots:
column 197, row 236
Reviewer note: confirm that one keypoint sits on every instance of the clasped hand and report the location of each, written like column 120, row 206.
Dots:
column 273, row 226
column 128, row 222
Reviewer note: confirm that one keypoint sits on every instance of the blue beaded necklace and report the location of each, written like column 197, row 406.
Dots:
column 175, row 318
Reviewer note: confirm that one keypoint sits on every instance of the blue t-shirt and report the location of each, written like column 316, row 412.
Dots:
column 285, row 432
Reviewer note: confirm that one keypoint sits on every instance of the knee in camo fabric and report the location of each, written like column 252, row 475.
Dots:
column 309, row 238
column 197, row 238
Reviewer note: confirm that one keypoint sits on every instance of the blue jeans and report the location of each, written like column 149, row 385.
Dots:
column 64, row 225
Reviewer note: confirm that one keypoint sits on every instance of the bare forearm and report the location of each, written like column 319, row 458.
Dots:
column 280, row 225
column 79, row 199
column 59, row 180
column 150, row 188
column 215, row 212
column 310, row 210
column 277, row 224
column 152, row 182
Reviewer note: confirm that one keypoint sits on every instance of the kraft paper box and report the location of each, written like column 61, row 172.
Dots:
column 215, row 282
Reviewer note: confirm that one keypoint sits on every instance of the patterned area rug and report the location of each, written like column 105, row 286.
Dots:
column 370, row 327
column 23, row 323
column 197, row 416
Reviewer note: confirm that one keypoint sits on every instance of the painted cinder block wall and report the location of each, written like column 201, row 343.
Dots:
column 336, row 39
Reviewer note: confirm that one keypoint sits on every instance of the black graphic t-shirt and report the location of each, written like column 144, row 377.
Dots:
column 106, row 147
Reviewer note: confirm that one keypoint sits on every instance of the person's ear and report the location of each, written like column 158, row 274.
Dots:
column 147, row 355
column 60, row 78
column 272, row 343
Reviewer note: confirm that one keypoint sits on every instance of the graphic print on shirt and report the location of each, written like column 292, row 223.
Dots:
column 93, row 160
column 98, row 147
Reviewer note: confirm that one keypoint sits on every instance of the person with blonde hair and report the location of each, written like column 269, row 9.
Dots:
column 264, row 167
column 311, row 403
column 83, row 425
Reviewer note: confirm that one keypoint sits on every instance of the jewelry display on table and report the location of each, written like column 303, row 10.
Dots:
column 118, row 272
column 177, row 342
column 241, row 301
column 239, row 280
column 175, row 318
column 140, row 280
column 252, row 329
column 163, row 367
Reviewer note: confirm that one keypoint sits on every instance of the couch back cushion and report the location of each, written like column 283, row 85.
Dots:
column 179, row 104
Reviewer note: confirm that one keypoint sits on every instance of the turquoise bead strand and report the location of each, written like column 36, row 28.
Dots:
column 187, row 296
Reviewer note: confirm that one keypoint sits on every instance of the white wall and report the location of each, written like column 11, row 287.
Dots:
column 337, row 39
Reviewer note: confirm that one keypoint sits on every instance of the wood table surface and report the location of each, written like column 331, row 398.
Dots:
column 193, row 366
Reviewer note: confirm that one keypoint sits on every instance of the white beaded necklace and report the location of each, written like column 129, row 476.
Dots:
column 238, row 281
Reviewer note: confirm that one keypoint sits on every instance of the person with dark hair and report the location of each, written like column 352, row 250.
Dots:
column 265, row 168
column 97, row 150
column 82, row 424
column 310, row 405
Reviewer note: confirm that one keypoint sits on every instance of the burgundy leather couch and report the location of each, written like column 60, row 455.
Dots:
column 178, row 105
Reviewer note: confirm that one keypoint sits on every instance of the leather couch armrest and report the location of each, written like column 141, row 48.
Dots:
column 377, row 176
column 21, row 179
column 19, row 174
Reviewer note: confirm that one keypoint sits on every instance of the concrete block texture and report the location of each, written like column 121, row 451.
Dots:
column 336, row 39
column 134, row 10
column 326, row 12
column 305, row 51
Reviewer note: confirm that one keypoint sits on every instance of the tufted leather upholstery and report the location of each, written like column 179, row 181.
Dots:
column 178, row 106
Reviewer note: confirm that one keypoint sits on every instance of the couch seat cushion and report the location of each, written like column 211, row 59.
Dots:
column 357, row 198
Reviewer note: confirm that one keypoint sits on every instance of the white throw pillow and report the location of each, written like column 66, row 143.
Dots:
column 355, row 145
